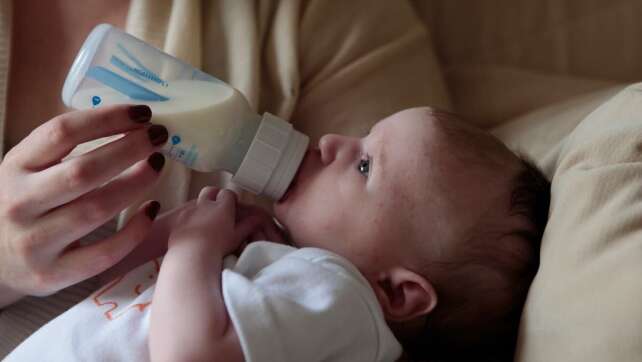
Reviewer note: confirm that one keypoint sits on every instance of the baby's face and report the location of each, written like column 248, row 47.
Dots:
column 367, row 198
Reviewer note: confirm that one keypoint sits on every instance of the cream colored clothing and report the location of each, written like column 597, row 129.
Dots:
column 328, row 66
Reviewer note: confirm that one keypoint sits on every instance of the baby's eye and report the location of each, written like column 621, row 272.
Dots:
column 364, row 165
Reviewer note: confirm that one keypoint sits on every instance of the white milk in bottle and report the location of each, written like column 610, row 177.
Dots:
column 211, row 125
column 202, row 119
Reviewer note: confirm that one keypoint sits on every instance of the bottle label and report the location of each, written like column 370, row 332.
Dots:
column 180, row 151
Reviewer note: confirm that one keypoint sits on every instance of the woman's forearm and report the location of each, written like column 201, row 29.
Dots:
column 189, row 319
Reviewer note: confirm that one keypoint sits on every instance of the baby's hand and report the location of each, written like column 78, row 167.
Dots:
column 212, row 223
column 266, row 230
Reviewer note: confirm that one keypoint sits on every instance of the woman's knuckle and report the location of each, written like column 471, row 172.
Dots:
column 78, row 174
column 11, row 204
column 91, row 213
column 59, row 129
column 5, row 194
column 25, row 253
column 28, row 249
column 97, row 212
column 44, row 281
column 10, row 157
column 12, row 208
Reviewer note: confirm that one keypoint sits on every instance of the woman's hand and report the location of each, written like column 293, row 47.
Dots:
column 46, row 204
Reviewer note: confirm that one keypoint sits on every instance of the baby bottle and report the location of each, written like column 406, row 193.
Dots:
column 211, row 125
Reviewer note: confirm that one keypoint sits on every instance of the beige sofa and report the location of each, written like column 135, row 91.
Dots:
column 549, row 77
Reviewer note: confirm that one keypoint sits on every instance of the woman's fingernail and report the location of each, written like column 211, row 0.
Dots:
column 157, row 134
column 152, row 210
column 140, row 113
column 156, row 160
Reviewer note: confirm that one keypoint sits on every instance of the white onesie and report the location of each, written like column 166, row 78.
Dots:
column 286, row 304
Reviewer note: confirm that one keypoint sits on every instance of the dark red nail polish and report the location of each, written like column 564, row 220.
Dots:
column 152, row 210
column 157, row 134
column 140, row 113
column 156, row 160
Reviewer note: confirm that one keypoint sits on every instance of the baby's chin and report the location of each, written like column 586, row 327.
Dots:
column 283, row 213
column 290, row 241
column 286, row 217
column 280, row 217
column 286, row 232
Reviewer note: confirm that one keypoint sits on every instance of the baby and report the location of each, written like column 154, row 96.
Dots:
column 440, row 219
column 423, row 234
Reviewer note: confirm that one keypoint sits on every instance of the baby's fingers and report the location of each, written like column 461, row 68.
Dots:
column 249, row 227
column 208, row 193
column 84, row 262
column 267, row 230
column 225, row 198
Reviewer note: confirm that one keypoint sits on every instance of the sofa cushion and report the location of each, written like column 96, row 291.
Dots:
column 584, row 304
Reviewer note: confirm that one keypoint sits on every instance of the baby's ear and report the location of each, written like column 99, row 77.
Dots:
column 404, row 294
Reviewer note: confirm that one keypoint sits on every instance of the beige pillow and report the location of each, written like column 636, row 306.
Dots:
column 585, row 302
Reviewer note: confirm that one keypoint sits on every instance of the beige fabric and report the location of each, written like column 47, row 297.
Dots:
column 328, row 66
column 584, row 304
column 540, row 134
column 507, row 57
column 586, row 38
column 490, row 95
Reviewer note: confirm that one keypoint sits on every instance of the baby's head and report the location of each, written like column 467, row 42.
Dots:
column 440, row 217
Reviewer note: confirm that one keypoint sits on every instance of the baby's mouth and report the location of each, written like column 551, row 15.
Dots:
column 287, row 192
column 294, row 181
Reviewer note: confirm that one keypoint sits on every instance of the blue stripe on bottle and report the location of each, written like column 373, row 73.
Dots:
column 123, row 85
column 135, row 72
column 140, row 64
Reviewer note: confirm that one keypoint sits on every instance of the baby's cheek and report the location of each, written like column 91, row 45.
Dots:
column 320, row 230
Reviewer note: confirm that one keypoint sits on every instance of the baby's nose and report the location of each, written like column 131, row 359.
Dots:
column 328, row 146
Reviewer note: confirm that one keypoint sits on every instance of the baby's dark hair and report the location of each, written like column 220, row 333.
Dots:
column 477, row 318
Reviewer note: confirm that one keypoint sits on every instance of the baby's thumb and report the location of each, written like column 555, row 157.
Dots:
column 248, row 226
